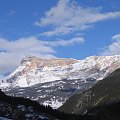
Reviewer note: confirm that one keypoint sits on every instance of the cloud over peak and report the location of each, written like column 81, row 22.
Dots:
column 114, row 47
column 11, row 52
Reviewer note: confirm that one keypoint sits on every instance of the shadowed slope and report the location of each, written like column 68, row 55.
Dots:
column 103, row 93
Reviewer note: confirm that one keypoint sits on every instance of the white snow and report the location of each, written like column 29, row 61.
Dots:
column 22, row 82
column 53, row 103
column 39, row 91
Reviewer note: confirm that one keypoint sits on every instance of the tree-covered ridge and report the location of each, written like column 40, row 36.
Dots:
column 11, row 105
column 105, row 92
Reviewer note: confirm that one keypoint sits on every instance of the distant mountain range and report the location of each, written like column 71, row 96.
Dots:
column 33, row 70
column 53, row 81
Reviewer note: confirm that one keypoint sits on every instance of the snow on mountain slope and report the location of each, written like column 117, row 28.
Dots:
column 33, row 70
column 53, row 93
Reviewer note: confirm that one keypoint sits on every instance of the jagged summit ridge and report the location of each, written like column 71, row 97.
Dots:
column 32, row 62
column 33, row 70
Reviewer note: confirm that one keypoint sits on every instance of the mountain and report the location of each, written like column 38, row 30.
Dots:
column 102, row 98
column 33, row 70
column 102, row 102
column 53, row 81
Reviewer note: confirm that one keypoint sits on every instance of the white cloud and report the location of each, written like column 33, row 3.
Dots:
column 116, row 37
column 76, row 40
column 11, row 52
column 67, row 16
column 114, row 47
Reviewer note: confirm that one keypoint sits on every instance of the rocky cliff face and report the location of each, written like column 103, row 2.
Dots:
column 33, row 70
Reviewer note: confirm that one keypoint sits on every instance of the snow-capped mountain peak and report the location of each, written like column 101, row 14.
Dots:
column 33, row 70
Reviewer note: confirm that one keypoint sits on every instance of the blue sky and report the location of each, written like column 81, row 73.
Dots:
column 57, row 28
